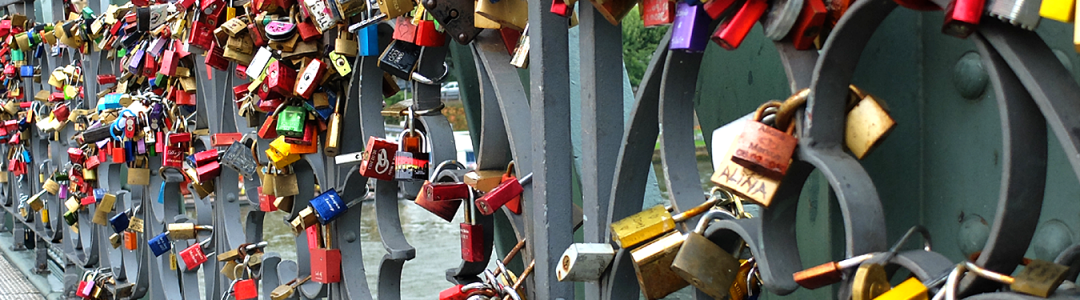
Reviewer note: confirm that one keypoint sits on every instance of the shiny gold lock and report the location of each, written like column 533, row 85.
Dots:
column 101, row 213
column 89, row 174
column 230, row 255
column 35, row 202
column 870, row 281
column 254, row 260
column 333, row 132
column 345, row 44
column 395, row 8
column 73, row 204
column 139, row 172
column 266, row 178
column 231, row 271
column 51, row 186
column 303, row 220
column 284, row 204
column 135, row 224
column 114, row 240
column 285, row 185
column 652, row 222
column 704, row 264
column 184, row 231
column 652, row 263
column 511, row 13
column 868, row 123
column 285, row 291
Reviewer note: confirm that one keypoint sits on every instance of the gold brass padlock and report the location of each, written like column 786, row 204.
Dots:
column 395, row 8
column 114, row 240
column 345, row 44
column 652, row 222
column 101, row 213
column 704, row 264
column 333, row 132
column 35, row 202
column 511, row 13
column 285, row 291
column 870, row 281
column 51, row 186
column 868, row 123
column 652, row 263
column 484, row 180
column 231, row 271
column 285, row 185
column 185, row 231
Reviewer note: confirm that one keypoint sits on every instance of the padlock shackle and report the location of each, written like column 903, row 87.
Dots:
column 903, row 240
column 693, row 212
column 438, row 169
column 715, row 214
column 787, row 109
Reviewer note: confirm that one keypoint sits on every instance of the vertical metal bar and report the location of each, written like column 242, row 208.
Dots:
column 601, row 121
column 550, row 214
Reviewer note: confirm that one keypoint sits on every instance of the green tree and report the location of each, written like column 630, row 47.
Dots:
column 639, row 43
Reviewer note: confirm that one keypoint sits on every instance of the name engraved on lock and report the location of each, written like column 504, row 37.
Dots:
column 745, row 181
column 395, row 55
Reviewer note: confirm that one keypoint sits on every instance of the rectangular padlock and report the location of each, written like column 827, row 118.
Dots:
column 652, row 263
column 193, row 256
column 160, row 244
column 325, row 265
column 378, row 160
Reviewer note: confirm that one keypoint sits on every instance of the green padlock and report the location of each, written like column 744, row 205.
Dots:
column 290, row 121
column 17, row 55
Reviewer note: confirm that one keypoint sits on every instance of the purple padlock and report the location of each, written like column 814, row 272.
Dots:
column 135, row 61
column 690, row 30
column 141, row 146
column 63, row 192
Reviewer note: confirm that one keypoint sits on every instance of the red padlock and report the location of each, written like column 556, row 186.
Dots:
column 378, row 159
column 404, row 30
column 962, row 17
column 184, row 4
column 208, row 171
column 224, row 139
column 201, row 35
column 472, row 237
column 507, row 191
column 75, row 155
column 717, row 8
column 764, row 149
column 280, row 78
column 455, row 292
column 307, row 31
column 174, row 156
column 269, row 105
column 118, row 152
column 215, row 58
column 150, row 66
column 325, row 263
column 193, row 256
column 169, row 61
column 809, row 24
column 239, row 92
column 61, row 112
column 310, row 78
column 428, row 36
column 182, row 97
column 438, row 200
column 92, row 162
column 733, row 31
column 510, row 38
column 245, row 290
column 106, row 79
column 659, row 12
column 560, row 8
column 266, row 201
column 84, row 289
column 256, row 34
column 204, row 157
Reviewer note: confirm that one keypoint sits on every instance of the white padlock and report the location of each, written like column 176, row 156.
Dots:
column 584, row 262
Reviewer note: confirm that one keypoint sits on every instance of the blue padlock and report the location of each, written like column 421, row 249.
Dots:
column 328, row 206
column 369, row 40
column 120, row 222
column 99, row 193
column 110, row 101
column 26, row 71
column 39, row 50
column 160, row 244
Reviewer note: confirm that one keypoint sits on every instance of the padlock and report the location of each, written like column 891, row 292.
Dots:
column 50, row 186
column 652, row 264
column 304, row 219
column 411, row 163
column 472, row 235
column 279, row 78
column 329, row 206
column 285, row 291
column 245, row 290
column 809, row 24
column 266, row 201
column 346, row 43
column 185, row 231
column 1058, row 10
column 658, row 12
column 763, row 148
column 459, row 292
column 285, row 186
column 35, row 202
column 584, row 262
column 868, row 123
column 71, row 217
column 704, row 264
column 733, row 31
column 689, row 30
column 310, row 78
column 239, row 158
column 395, row 8
column 280, row 30
column 652, row 222
column 507, row 191
column 428, row 36
column 379, row 159
column 443, row 198
column 120, row 222
column 399, row 58
column 194, row 256
column 1038, row 278
column 909, row 289
column 160, row 244
column 520, row 54
column 869, row 282
column 131, row 240
column 962, row 17
column 290, row 121
column 139, row 172
column 104, row 207
column 326, row 262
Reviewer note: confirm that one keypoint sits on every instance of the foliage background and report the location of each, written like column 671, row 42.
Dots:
column 639, row 43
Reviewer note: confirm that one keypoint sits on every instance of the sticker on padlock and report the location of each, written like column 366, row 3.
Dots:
column 379, row 158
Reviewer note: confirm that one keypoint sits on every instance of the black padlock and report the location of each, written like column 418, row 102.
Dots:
column 399, row 59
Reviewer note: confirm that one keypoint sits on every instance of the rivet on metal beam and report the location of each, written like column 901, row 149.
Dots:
column 973, row 233
column 969, row 76
column 1050, row 239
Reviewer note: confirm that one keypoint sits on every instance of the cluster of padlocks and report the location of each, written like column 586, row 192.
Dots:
column 147, row 91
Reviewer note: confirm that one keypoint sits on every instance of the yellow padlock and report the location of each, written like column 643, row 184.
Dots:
column 1058, row 10
column 910, row 289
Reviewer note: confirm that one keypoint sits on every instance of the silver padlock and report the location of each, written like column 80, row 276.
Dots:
column 584, row 261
